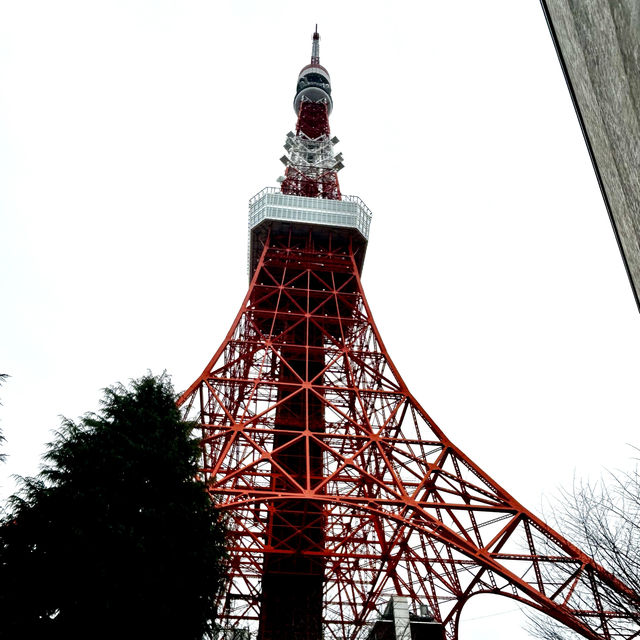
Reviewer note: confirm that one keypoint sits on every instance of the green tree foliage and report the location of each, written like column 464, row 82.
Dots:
column 115, row 538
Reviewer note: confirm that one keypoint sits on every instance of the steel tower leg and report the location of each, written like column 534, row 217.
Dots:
column 340, row 492
column 334, row 478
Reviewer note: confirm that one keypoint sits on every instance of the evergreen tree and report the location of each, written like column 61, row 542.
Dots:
column 115, row 538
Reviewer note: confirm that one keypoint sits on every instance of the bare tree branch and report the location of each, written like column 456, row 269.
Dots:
column 603, row 519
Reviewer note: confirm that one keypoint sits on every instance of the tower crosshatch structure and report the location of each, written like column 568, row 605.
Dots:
column 340, row 492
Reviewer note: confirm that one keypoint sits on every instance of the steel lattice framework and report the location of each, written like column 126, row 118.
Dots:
column 340, row 489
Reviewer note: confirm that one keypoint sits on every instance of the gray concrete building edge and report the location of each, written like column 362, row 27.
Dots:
column 598, row 46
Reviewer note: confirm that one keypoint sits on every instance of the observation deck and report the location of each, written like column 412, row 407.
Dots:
column 272, row 209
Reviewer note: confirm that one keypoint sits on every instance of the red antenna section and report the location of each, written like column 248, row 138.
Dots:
column 341, row 494
column 312, row 167
column 315, row 48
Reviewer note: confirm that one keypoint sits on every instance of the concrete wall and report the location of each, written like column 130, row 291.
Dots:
column 598, row 44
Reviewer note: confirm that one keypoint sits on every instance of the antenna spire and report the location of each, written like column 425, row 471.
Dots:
column 312, row 166
column 315, row 47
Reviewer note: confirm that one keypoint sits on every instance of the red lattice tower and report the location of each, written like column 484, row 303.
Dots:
column 340, row 491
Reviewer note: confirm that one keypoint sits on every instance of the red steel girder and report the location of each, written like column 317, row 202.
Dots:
column 325, row 462
column 311, row 180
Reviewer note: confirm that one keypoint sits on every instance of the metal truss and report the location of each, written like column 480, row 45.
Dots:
column 312, row 168
column 320, row 456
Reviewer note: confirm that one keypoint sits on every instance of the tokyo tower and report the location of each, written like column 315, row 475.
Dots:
column 340, row 492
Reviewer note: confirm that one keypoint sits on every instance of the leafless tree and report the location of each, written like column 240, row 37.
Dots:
column 602, row 519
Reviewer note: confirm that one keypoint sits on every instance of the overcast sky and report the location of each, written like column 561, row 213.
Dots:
column 133, row 133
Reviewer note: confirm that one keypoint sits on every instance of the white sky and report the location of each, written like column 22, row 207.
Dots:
column 133, row 133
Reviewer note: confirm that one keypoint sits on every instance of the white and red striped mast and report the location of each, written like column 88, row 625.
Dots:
column 312, row 168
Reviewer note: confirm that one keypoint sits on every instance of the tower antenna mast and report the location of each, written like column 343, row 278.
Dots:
column 315, row 48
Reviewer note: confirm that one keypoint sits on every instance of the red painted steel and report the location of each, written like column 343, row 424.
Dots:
column 402, row 510
column 339, row 490
column 308, row 180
